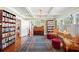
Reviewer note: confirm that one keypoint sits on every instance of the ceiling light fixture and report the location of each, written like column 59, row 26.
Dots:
column 40, row 13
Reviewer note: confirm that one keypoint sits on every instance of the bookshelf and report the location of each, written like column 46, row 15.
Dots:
column 7, row 29
column 50, row 26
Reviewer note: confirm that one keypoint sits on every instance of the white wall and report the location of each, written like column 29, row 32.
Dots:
column 25, row 26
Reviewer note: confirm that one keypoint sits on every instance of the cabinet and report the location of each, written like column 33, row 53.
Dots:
column 7, row 29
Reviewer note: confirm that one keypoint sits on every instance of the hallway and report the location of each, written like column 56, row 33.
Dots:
column 37, row 44
column 39, row 29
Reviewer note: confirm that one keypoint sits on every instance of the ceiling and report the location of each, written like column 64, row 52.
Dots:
column 38, row 10
column 41, row 12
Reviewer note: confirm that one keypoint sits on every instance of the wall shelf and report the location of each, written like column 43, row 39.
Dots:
column 50, row 26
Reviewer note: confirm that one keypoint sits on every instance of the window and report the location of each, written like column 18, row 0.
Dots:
column 68, row 20
column 77, row 18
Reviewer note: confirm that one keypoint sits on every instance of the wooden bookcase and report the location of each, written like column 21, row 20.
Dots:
column 7, row 29
column 50, row 26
